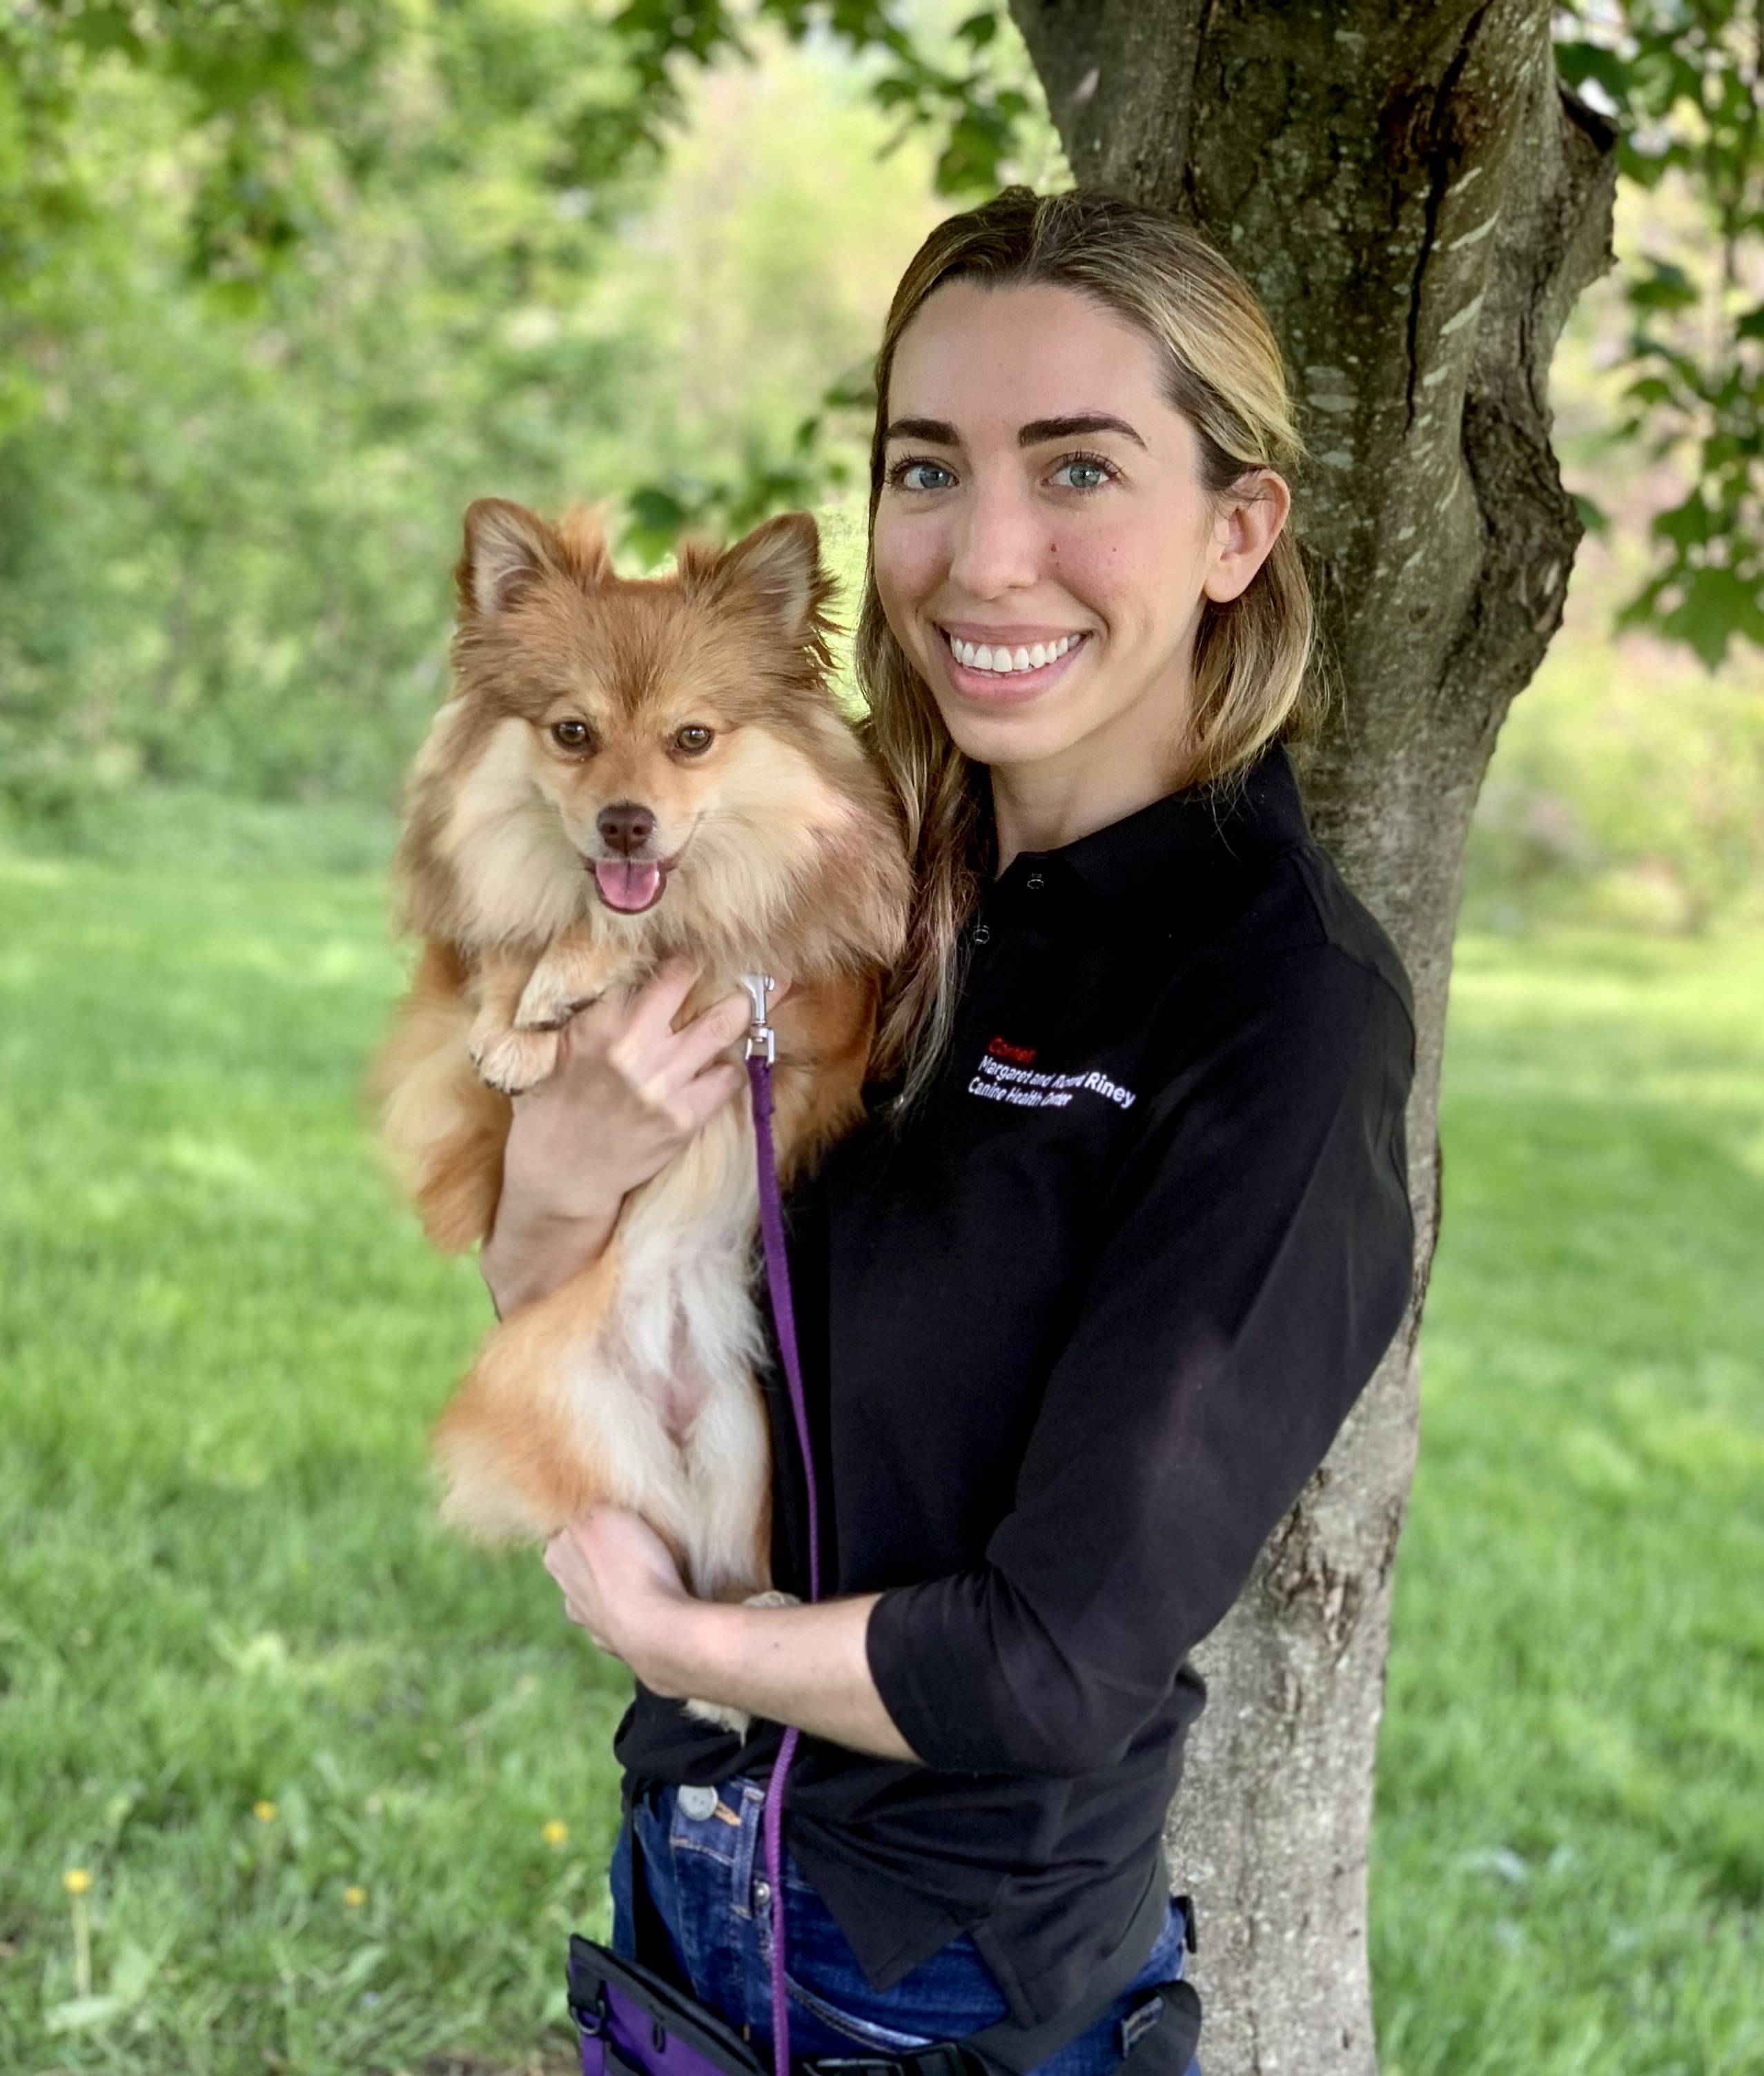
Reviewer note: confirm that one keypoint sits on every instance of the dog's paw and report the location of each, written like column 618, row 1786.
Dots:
column 772, row 1599
column 514, row 1061
column 736, row 1720
column 547, row 1006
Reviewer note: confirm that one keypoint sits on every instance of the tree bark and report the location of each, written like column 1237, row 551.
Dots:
column 1418, row 202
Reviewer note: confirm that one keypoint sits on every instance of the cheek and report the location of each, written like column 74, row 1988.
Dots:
column 911, row 557
column 1093, row 566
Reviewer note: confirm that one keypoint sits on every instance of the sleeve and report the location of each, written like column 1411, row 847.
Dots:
column 1255, row 1257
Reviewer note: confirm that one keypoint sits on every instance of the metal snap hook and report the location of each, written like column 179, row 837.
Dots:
column 761, row 1040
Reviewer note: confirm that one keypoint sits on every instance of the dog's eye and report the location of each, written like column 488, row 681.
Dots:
column 572, row 735
column 693, row 741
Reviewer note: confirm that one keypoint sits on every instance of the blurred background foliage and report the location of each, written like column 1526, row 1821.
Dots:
column 288, row 282
column 284, row 284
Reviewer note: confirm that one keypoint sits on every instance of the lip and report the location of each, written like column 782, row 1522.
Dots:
column 988, row 687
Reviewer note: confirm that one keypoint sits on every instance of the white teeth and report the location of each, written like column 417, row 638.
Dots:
column 1002, row 661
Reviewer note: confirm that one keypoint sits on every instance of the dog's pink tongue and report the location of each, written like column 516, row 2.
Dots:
column 624, row 883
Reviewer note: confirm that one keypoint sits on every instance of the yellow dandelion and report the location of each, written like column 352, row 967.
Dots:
column 264, row 1812
column 354, row 1897
column 77, row 1881
column 556, row 1832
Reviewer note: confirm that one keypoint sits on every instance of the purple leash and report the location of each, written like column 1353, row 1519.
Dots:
column 760, row 1054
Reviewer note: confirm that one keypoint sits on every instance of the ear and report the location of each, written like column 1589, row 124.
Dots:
column 778, row 565
column 1245, row 537
column 581, row 537
column 506, row 549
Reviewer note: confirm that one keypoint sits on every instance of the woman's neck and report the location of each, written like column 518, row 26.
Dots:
column 1041, row 806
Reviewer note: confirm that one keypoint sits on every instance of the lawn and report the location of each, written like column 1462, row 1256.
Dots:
column 339, row 1784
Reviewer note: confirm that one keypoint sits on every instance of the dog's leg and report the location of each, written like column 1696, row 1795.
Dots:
column 444, row 1129
column 824, row 1029
column 506, row 1058
column 578, row 970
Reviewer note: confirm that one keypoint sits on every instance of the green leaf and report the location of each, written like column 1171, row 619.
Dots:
column 1665, row 286
column 1582, row 61
column 1691, row 524
column 1717, row 604
column 1594, row 518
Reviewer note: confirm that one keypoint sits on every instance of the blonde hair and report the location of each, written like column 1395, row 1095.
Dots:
column 1221, row 370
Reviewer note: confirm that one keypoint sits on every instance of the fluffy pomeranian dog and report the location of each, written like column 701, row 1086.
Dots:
column 627, row 770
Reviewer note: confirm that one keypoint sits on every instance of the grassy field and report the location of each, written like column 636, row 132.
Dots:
column 339, row 1785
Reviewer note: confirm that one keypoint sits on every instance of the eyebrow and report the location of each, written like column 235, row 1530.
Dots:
column 939, row 433
column 1039, row 430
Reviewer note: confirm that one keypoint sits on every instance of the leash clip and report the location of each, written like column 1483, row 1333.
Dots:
column 761, row 1040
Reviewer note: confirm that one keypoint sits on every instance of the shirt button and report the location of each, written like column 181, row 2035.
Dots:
column 698, row 1802
column 982, row 934
column 1034, row 883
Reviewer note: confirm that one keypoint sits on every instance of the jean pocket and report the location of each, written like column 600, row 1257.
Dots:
column 946, row 1998
column 861, row 2032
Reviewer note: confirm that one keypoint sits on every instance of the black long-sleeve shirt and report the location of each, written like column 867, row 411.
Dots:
column 1075, row 1335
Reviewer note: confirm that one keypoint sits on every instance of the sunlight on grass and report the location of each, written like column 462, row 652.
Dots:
column 339, row 1786
column 1570, row 1851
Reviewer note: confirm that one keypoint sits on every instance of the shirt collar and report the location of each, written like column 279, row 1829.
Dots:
column 1225, row 826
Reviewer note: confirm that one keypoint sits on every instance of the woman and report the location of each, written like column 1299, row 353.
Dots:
column 1094, row 1289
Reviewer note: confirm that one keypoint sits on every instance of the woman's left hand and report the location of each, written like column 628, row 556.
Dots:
column 806, row 1666
column 619, row 1579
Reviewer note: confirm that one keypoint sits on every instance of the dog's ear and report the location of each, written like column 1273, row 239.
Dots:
column 508, row 548
column 582, row 536
column 778, row 565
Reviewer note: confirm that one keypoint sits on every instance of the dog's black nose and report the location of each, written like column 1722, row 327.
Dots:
column 625, row 827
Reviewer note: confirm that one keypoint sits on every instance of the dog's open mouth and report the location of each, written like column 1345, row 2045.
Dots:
column 631, row 884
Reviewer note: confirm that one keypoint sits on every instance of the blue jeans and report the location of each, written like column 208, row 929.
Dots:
column 706, row 1876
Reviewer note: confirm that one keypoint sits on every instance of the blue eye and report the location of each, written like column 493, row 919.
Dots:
column 1081, row 473
column 921, row 475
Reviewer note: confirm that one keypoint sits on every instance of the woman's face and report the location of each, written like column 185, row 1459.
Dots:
column 1043, row 542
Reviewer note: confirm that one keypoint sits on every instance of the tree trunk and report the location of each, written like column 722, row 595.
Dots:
column 1417, row 202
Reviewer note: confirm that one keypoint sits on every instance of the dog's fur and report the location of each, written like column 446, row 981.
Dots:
column 781, row 852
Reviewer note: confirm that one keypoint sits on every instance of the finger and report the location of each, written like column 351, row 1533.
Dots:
column 707, row 1036
column 703, row 1097
column 658, row 1002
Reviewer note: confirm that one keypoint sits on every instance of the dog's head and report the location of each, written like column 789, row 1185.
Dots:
column 667, row 745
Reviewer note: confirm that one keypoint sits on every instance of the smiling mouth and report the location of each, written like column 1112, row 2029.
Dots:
column 630, row 885
column 1004, row 660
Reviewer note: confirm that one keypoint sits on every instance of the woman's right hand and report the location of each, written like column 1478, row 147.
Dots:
column 627, row 1093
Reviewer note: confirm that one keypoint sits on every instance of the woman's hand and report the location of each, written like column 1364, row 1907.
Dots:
column 619, row 1579
column 628, row 1092
column 809, row 1666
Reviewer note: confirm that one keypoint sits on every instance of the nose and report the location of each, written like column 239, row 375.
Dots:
column 625, row 827
column 998, row 540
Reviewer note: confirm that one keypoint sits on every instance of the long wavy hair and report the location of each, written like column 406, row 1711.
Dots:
column 1252, row 680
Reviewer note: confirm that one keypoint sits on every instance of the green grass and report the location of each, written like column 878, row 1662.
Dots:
column 220, row 1585
column 1570, row 1852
